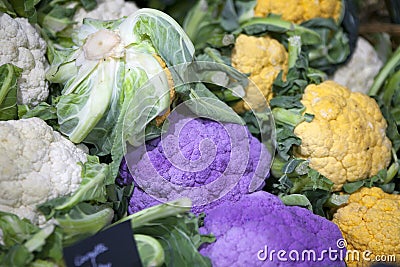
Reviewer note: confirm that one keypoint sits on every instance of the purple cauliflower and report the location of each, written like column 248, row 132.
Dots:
column 259, row 230
column 207, row 161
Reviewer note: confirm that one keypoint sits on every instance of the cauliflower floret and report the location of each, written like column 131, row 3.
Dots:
column 215, row 162
column 248, row 232
column 299, row 11
column 359, row 73
column 23, row 47
column 346, row 141
column 106, row 10
column 38, row 164
column 370, row 221
column 263, row 58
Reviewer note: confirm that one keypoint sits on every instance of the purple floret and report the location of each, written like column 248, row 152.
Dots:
column 124, row 177
column 261, row 222
column 194, row 153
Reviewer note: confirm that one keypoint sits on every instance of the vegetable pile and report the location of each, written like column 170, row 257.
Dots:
column 227, row 133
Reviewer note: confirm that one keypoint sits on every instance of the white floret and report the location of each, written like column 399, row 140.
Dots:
column 106, row 10
column 359, row 73
column 37, row 164
column 23, row 47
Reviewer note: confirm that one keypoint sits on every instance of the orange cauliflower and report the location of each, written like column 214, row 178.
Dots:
column 370, row 221
column 263, row 58
column 299, row 11
column 346, row 141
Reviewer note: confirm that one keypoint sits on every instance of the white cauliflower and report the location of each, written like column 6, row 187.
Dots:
column 106, row 10
column 359, row 73
column 22, row 46
column 37, row 164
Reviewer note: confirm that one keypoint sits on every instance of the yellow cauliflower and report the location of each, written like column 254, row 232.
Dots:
column 346, row 141
column 263, row 58
column 370, row 221
column 299, row 11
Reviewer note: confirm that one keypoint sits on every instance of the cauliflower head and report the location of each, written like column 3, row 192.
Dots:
column 202, row 154
column 346, row 141
column 370, row 221
column 263, row 58
column 23, row 47
column 248, row 230
column 38, row 164
column 359, row 73
column 106, row 10
column 298, row 11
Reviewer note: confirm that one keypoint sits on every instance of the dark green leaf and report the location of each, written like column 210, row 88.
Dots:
column 333, row 48
column 6, row 7
column 318, row 198
column 353, row 187
column 88, row 4
column 229, row 16
column 119, row 197
column 296, row 200
column 285, row 101
column 273, row 23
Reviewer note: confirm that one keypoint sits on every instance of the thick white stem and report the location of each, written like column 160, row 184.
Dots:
column 102, row 44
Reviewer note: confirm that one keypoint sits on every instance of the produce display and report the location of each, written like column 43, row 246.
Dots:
column 219, row 133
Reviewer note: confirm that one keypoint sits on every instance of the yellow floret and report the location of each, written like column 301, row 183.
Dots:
column 346, row 141
column 263, row 58
column 299, row 11
column 370, row 222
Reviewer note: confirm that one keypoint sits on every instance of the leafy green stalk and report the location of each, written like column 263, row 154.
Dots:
column 82, row 221
column 389, row 90
column 391, row 172
column 294, row 49
column 95, row 177
column 194, row 19
column 9, row 75
column 210, row 22
column 296, row 200
column 161, row 211
column 288, row 117
column 150, row 250
column 38, row 240
column 332, row 50
column 384, row 73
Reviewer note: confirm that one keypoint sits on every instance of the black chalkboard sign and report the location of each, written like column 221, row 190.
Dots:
column 114, row 247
